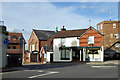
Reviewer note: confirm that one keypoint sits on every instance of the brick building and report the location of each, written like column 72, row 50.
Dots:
column 111, row 31
column 15, row 49
column 38, row 41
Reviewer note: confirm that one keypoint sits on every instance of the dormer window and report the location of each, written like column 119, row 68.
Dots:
column 114, row 25
column 63, row 42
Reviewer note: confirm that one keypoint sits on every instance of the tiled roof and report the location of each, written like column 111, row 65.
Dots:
column 44, row 34
column 70, row 33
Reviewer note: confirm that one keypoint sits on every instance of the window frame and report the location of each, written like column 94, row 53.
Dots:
column 114, row 24
column 15, row 37
column 63, row 39
column 92, row 42
column 117, row 37
column 65, row 58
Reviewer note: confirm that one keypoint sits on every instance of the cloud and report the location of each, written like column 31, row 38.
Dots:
column 44, row 16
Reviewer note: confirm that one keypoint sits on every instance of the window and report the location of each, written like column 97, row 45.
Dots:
column 19, row 37
column 63, row 41
column 14, row 37
column 98, row 27
column 101, row 26
column 36, row 46
column 116, row 36
column 14, row 46
column 114, row 25
column 90, row 39
column 8, row 46
column 65, row 54
column 9, row 37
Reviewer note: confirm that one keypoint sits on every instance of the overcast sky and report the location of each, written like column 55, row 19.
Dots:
column 48, row 15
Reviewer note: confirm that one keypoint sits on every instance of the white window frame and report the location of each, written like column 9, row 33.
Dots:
column 90, row 39
column 117, row 36
column 114, row 25
column 63, row 40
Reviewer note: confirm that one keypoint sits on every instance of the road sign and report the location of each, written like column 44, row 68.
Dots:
column 6, row 41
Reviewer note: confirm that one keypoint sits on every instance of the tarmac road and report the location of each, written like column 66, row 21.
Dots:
column 65, row 70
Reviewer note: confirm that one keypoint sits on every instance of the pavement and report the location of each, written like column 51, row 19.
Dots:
column 66, row 70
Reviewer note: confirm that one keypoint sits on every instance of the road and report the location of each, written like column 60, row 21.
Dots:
column 65, row 70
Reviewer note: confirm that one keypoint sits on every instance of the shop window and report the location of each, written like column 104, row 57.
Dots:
column 65, row 54
column 116, row 36
column 93, row 52
column 14, row 46
column 90, row 39
column 63, row 42
column 114, row 25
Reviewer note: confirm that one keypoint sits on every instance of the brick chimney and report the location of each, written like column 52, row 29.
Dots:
column 63, row 29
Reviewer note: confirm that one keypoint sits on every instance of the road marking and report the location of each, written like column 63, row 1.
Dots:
column 43, row 74
column 35, row 70
column 104, row 66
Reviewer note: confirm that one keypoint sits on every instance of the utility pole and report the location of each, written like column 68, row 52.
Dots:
column 23, row 49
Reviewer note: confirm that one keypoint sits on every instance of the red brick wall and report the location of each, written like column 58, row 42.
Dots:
column 98, row 39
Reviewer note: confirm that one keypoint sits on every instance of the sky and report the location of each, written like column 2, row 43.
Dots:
column 49, row 15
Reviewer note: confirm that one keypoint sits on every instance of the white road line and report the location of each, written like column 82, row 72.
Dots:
column 104, row 66
column 43, row 74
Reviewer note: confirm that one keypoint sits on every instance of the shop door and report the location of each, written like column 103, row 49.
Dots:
column 76, row 55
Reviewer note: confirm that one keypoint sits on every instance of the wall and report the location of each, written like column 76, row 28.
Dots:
column 33, row 40
column 3, row 54
column 70, row 41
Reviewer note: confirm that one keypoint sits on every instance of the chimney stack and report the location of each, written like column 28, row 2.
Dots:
column 63, row 29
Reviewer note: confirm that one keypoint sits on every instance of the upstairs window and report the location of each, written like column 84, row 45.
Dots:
column 8, row 36
column 19, row 37
column 114, row 25
column 101, row 26
column 14, row 37
column 98, row 27
column 63, row 41
column 14, row 46
column 90, row 39
column 116, row 36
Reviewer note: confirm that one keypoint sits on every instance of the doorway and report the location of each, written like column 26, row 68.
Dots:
column 51, row 57
column 76, row 55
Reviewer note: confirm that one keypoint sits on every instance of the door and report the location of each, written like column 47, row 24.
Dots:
column 81, row 55
column 51, row 57
column 76, row 55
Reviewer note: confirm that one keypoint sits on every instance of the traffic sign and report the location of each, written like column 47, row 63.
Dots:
column 6, row 41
